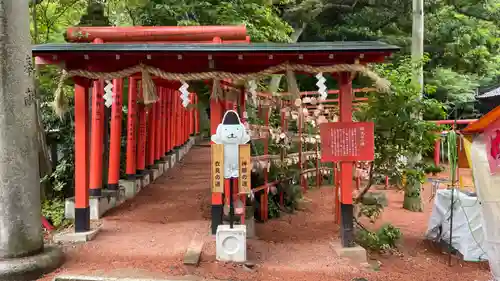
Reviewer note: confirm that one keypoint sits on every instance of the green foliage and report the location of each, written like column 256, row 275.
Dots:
column 384, row 239
column 261, row 19
column 451, row 142
column 462, row 38
column 53, row 210
column 399, row 133
column 432, row 169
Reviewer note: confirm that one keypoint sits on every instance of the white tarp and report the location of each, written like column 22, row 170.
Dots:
column 488, row 191
column 468, row 233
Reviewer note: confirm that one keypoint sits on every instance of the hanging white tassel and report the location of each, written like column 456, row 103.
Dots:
column 108, row 94
column 252, row 89
column 321, row 86
column 184, row 94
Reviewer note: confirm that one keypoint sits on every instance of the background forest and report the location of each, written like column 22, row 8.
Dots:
column 462, row 40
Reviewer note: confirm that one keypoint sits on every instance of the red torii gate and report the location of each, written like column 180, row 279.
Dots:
column 152, row 132
column 177, row 60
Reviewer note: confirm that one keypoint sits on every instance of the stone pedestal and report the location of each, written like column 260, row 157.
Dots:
column 22, row 253
column 98, row 205
column 231, row 243
column 132, row 187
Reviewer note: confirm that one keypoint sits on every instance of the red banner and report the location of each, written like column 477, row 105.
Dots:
column 347, row 141
column 492, row 135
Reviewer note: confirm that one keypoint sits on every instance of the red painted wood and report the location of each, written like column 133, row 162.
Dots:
column 151, row 130
column 97, row 135
column 131, row 127
column 116, row 133
column 195, row 62
column 156, row 33
column 82, row 147
column 345, row 96
column 142, row 135
column 169, row 120
column 158, row 128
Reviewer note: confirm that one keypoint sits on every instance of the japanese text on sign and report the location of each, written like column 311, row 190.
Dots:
column 217, row 168
column 342, row 141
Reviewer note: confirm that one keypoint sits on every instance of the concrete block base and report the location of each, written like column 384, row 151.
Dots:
column 356, row 254
column 76, row 237
column 173, row 159
column 155, row 173
column 165, row 163
column 231, row 243
column 131, row 187
column 98, row 205
column 250, row 224
column 31, row 267
column 193, row 253
column 145, row 180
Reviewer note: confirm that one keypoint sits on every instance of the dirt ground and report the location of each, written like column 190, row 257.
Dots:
column 148, row 236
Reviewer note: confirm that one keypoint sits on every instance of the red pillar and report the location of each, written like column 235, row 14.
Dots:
column 158, row 128
column 346, row 184
column 187, row 124
column 150, row 146
column 131, row 129
column 163, row 144
column 437, row 151
column 190, row 115
column 175, row 117
column 82, row 152
column 217, row 204
column 197, row 116
column 116, row 135
column 97, row 138
column 141, row 137
column 169, row 121
column 264, row 202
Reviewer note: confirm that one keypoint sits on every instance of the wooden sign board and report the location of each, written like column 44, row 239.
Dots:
column 217, row 168
column 347, row 141
column 245, row 169
column 463, row 161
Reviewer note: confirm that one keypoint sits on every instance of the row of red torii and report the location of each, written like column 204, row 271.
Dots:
column 160, row 123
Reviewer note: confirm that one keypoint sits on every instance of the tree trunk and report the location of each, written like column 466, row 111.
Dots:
column 413, row 200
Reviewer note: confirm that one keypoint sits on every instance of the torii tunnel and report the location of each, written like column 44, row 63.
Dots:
column 164, row 127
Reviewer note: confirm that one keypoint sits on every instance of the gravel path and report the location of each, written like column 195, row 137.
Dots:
column 148, row 236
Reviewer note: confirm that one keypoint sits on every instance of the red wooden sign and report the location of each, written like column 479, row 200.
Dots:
column 347, row 141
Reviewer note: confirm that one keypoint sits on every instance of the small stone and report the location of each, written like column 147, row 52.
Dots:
column 250, row 264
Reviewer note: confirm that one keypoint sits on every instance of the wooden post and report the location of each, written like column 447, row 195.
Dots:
column 116, row 135
column 176, row 116
column 131, row 129
column 141, row 137
column 266, row 172
column 437, row 151
column 97, row 139
column 158, row 128
column 82, row 153
column 346, row 207
column 150, row 147
column 163, row 122
column 168, row 136
column 217, row 204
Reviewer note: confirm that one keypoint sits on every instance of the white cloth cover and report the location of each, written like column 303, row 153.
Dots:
column 468, row 234
column 488, row 191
